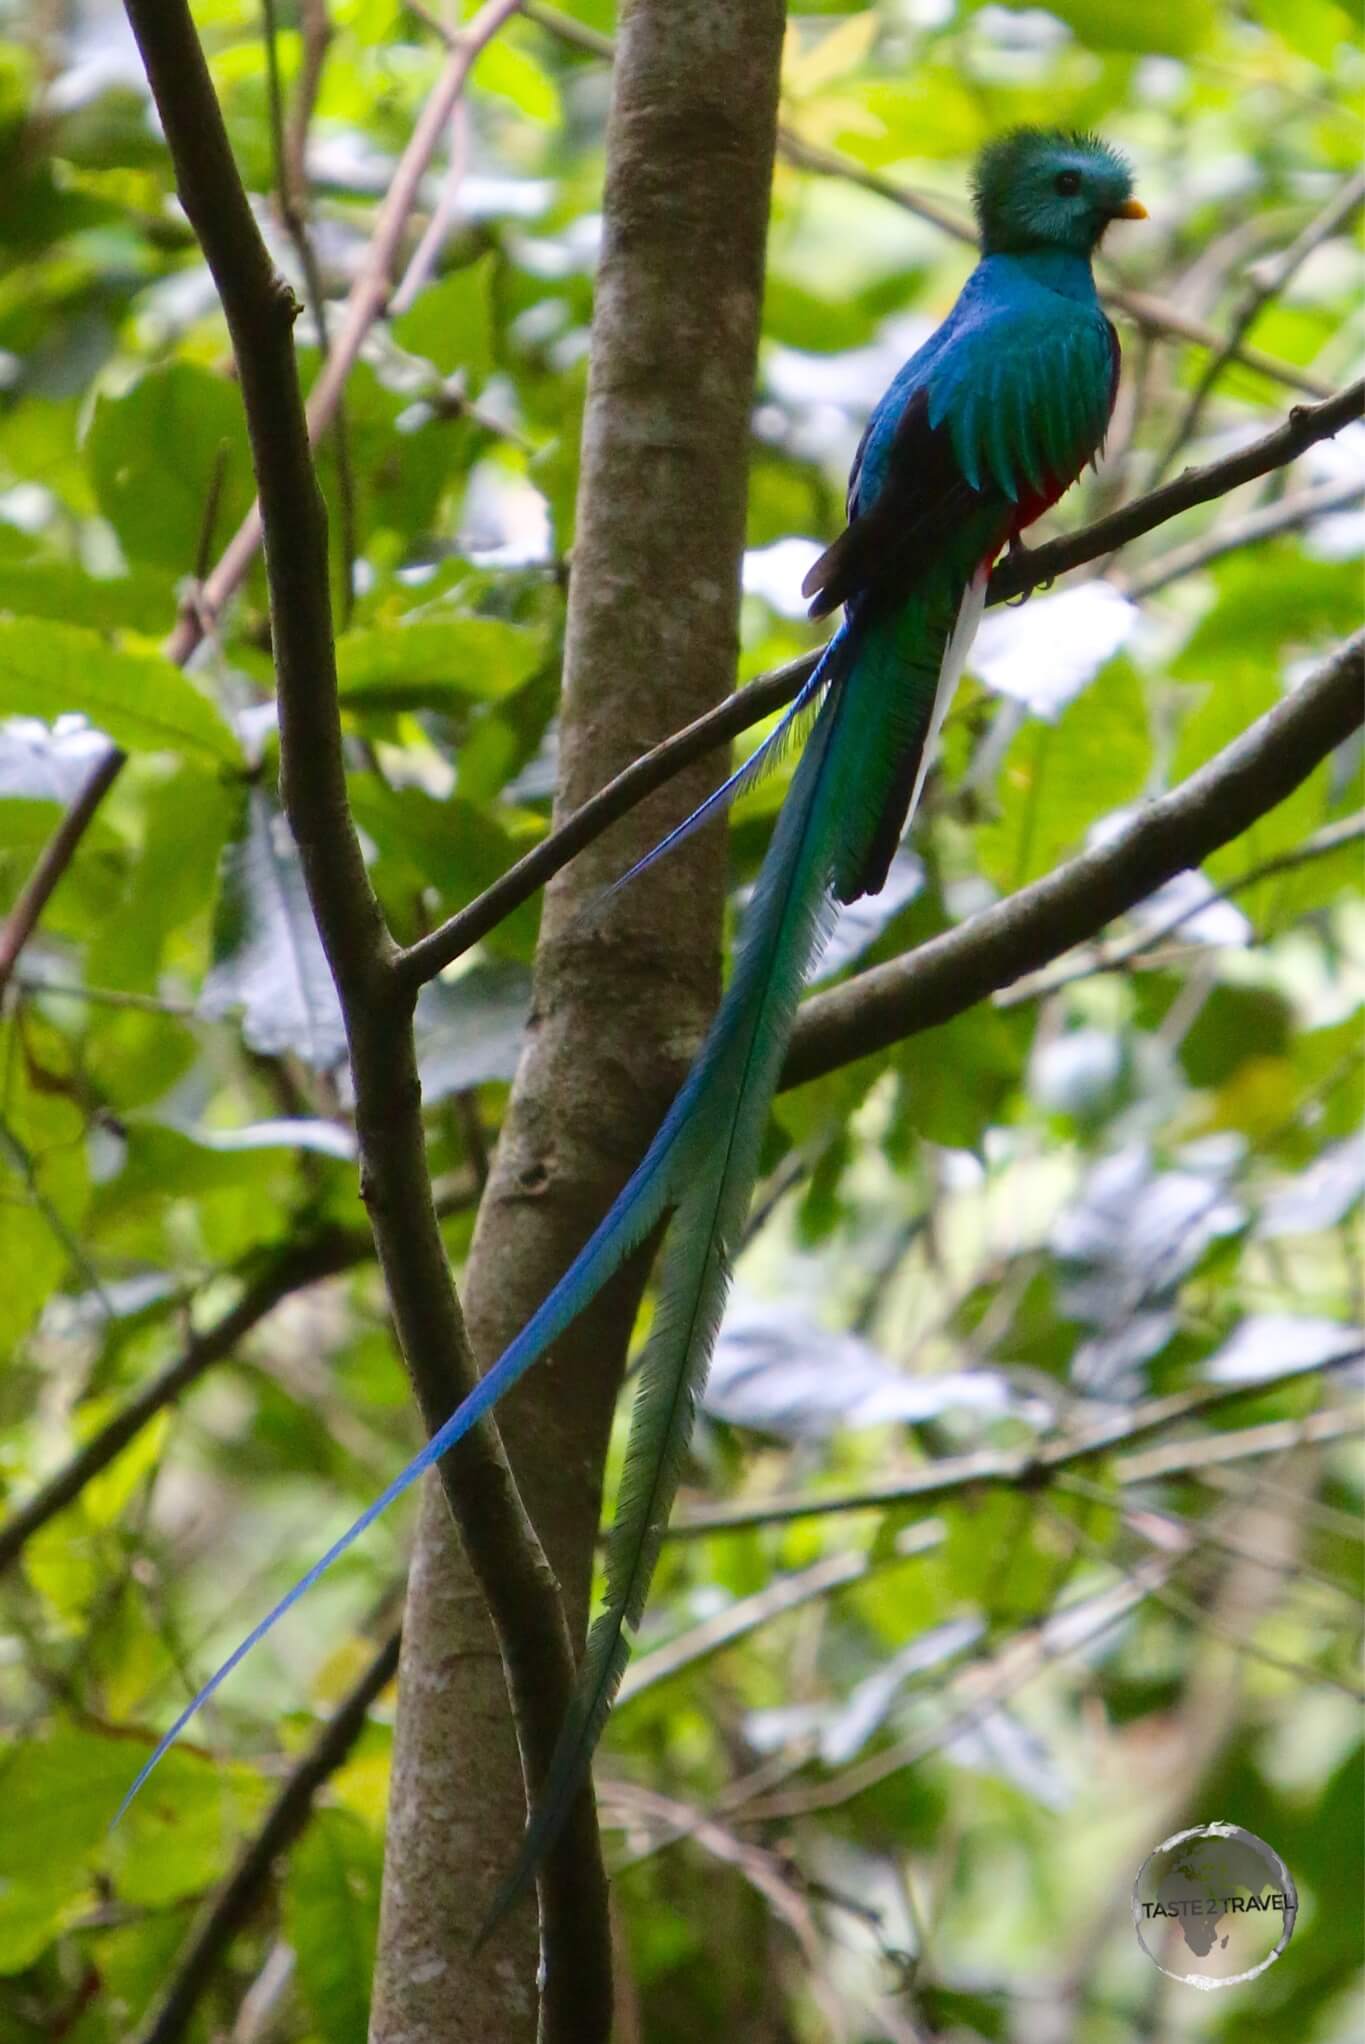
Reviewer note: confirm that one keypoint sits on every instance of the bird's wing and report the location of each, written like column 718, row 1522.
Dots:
column 1007, row 414
column 1025, row 399
column 906, row 483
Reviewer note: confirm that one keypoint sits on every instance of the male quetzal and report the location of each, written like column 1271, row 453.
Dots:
column 984, row 428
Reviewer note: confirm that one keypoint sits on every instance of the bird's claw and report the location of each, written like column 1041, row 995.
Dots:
column 1020, row 555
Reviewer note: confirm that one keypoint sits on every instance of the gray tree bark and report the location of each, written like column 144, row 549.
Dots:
column 622, row 998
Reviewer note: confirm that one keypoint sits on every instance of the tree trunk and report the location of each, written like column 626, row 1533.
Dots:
column 622, row 996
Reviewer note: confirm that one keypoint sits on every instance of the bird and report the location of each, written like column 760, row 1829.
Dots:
column 980, row 432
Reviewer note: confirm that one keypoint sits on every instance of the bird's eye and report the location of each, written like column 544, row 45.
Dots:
column 1068, row 182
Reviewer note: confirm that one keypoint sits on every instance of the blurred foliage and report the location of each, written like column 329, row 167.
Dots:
column 939, row 1738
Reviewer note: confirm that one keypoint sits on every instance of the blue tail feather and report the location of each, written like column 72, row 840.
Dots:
column 761, row 761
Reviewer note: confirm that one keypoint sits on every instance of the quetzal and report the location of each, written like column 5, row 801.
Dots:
column 983, row 429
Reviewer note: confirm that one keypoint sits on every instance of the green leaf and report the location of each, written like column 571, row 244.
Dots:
column 1059, row 779
column 513, row 74
column 157, row 456
column 955, row 1080
column 451, row 324
column 1174, row 27
column 1316, row 29
column 139, row 700
column 332, row 1914
column 143, row 601
column 26, row 824
column 455, row 846
column 426, row 663
column 44, row 1173
column 268, row 959
column 470, row 1030
column 186, row 816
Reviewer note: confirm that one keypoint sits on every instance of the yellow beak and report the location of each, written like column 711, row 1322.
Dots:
column 1131, row 209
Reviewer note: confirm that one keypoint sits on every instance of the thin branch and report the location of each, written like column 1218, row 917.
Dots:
column 1270, row 521
column 504, row 1551
column 1268, row 279
column 369, row 294
column 240, row 1893
column 1192, row 1532
column 289, row 1270
column 1244, row 1444
column 1202, row 1618
column 443, row 215
column 886, row 1003
column 317, row 32
column 431, row 954
column 986, row 1685
column 289, row 143
column 53, row 862
column 783, row 1594
column 1333, row 837
column 1030, row 1469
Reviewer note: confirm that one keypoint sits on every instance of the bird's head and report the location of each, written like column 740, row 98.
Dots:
column 1040, row 188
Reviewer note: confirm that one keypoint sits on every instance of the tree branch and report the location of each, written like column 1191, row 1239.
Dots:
column 236, row 1900
column 56, row 856
column 1305, row 426
column 289, row 1270
column 1030, row 1469
column 1274, row 274
column 1333, row 837
column 513, row 1574
column 948, row 975
column 1269, row 521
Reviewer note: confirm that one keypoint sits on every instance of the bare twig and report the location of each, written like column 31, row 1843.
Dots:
column 983, row 1687
column 368, row 295
column 443, row 214
column 289, row 138
column 1333, row 837
column 1243, row 1444
column 316, row 30
column 429, row 955
column 56, row 856
column 1270, row 521
column 1204, row 1620
column 1031, row 1469
column 1268, row 279
column 237, row 1898
column 783, row 1594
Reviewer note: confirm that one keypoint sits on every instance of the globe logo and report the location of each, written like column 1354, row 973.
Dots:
column 1214, row 1906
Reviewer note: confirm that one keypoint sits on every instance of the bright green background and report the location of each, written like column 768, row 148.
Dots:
column 946, row 1205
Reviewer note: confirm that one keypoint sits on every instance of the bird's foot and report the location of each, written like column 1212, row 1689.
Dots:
column 1020, row 556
